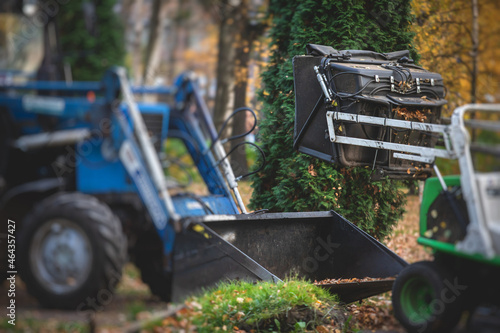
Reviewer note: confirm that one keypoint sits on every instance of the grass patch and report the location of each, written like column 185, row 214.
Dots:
column 290, row 306
column 42, row 325
column 131, row 283
column 134, row 308
column 151, row 325
column 131, row 271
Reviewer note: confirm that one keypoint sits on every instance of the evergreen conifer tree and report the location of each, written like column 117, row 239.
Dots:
column 90, row 43
column 293, row 181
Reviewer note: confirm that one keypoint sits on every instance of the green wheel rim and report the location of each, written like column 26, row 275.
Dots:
column 416, row 298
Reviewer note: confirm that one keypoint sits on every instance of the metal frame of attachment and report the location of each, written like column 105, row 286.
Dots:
column 408, row 152
column 457, row 146
column 479, row 238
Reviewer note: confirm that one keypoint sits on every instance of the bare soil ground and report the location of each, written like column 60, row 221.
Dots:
column 133, row 301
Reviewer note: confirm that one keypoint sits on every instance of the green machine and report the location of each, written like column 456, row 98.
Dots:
column 380, row 111
column 460, row 222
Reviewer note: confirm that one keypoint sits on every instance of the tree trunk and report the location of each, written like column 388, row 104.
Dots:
column 475, row 50
column 224, row 96
column 475, row 59
column 158, row 11
column 246, row 37
column 11, row 6
column 136, row 45
column 239, row 157
column 51, row 68
column 178, row 39
column 126, row 12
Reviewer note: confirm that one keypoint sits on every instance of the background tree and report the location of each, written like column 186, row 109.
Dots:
column 250, row 27
column 131, row 12
column 153, row 49
column 459, row 39
column 11, row 6
column 292, row 181
column 91, row 38
column 229, row 13
column 239, row 25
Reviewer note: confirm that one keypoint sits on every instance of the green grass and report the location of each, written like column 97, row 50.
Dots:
column 134, row 308
column 347, row 327
column 181, row 165
column 130, row 284
column 291, row 306
column 151, row 325
column 6, row 327
column 42, row 325
column 132, row 271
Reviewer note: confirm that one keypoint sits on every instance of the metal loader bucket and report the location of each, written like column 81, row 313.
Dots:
column 272, row 246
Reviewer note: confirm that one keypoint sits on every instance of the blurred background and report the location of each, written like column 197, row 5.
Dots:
column 224, row 43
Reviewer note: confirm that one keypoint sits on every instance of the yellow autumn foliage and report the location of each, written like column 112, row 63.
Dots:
column 444, row 39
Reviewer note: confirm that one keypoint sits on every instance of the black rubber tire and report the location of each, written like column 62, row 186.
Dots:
column 159, row 282
column 149, row 260
column 444, row 306
column 108, row 250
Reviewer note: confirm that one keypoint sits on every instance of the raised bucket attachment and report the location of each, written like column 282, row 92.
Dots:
column 272, row 246
column 361, row 108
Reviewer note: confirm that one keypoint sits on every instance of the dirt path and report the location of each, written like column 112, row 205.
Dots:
column 132, row 302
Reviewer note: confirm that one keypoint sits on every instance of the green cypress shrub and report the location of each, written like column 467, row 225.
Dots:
column 90, row 53
column 293, row 181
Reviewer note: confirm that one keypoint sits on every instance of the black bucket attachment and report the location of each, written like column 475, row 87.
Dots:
column 272, row 246
column 387, row 86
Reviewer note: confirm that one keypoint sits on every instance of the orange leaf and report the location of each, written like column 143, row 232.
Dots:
column 311, row 171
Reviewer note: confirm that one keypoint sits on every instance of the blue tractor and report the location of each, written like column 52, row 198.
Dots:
column 82, row 175
column 91, row 167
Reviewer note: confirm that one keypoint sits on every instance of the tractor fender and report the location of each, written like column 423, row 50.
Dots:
column 12, row 206
column 39, row 187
